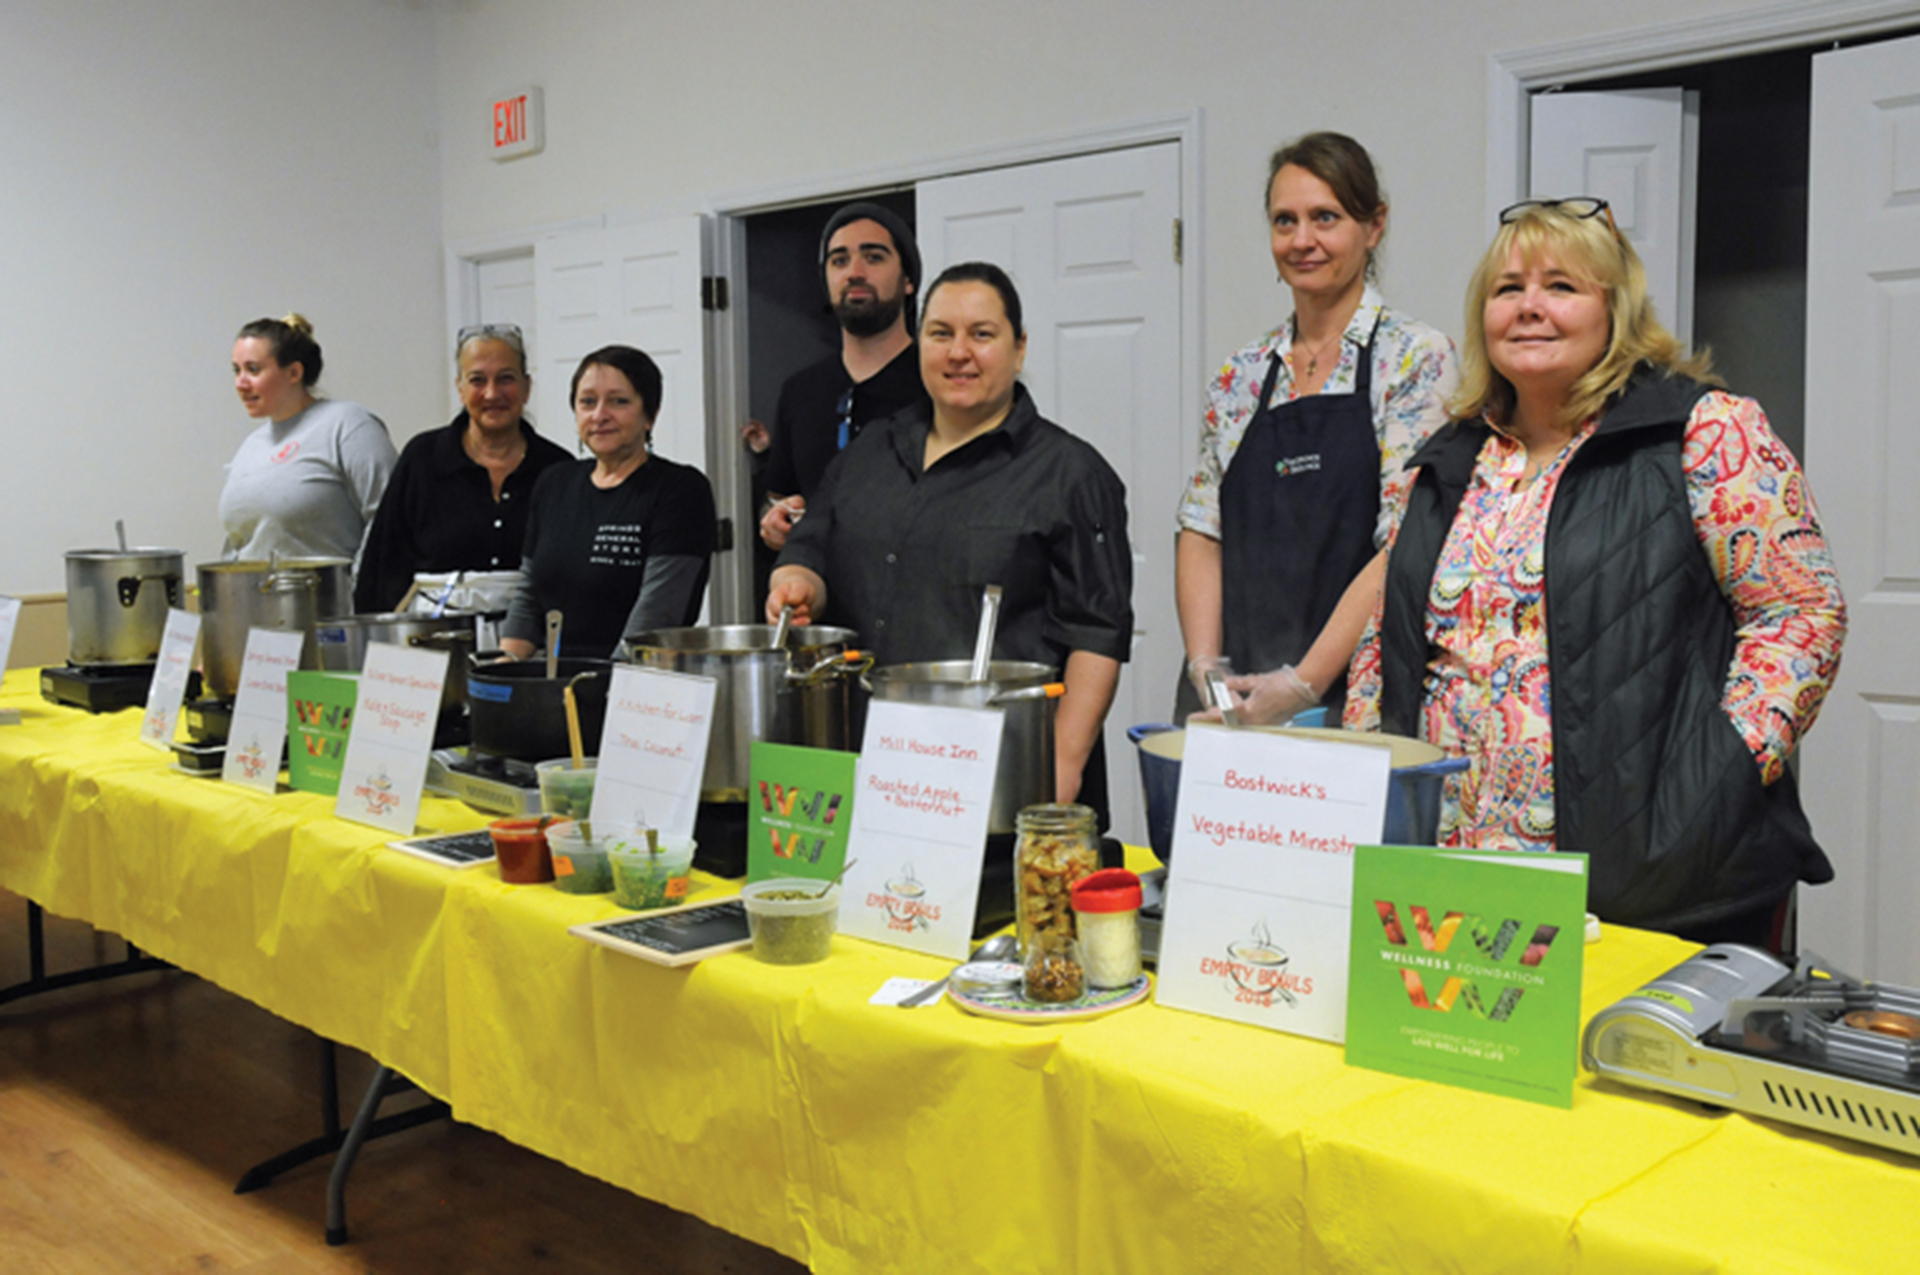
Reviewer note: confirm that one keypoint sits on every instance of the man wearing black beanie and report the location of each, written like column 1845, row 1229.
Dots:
column 872, row 269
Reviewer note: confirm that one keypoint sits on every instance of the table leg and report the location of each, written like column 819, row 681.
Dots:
column 385, row 1083
column 334, row 1138
column 38, row 980
column 331, row 1134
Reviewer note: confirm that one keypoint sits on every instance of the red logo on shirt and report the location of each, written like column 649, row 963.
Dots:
column 288, row 450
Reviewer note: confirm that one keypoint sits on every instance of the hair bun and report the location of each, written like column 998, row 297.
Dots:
column 298, row 322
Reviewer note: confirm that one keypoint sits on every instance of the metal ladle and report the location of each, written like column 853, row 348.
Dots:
column 983, row 643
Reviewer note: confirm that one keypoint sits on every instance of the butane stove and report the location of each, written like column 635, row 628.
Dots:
column 98, row 688
column 1736, row 1028
column 498, row 785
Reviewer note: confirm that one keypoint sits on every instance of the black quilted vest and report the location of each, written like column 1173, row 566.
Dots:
column 1651, row 780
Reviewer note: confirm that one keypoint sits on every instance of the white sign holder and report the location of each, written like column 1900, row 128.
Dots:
column 259, row 729
column 922, row 793
column 385, row 768
column 169, row 689
column 653, row 749
column 1259, row 890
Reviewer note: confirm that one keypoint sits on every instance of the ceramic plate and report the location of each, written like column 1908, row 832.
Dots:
column 1019, row 1009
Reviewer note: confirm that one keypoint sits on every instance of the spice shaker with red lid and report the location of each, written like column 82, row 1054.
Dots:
column 1106, row 907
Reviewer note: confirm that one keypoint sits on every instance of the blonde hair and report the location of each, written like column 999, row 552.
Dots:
column 1588, row 248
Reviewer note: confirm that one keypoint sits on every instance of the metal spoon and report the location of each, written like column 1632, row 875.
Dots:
column 997, row 948
column 836, row 878
column 780, row 629
column 983, row 643
column 553, row 644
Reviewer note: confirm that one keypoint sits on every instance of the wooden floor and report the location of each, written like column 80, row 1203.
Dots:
column 129, row 1107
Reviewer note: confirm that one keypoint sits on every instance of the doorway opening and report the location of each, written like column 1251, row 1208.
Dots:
column 789, row 326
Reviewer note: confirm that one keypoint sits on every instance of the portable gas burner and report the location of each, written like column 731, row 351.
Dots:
column 98, row 688
column 498, row 785
column 1735, row 1028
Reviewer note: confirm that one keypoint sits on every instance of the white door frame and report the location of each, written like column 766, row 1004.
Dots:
column 729, row 363
column 1512, row 76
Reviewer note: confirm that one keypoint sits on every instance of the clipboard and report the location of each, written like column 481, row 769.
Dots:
column 674, row 936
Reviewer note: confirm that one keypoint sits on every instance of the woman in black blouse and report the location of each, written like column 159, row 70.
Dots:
column 927, row 507
column 459, row 497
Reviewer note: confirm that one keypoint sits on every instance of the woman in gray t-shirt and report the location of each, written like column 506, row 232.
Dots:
column 304, row 484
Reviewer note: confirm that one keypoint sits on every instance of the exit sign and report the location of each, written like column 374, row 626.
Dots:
column 518, row 126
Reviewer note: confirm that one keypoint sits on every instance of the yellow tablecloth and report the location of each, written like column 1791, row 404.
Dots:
column 778, row 1104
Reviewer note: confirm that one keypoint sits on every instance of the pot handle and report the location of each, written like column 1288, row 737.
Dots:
column 1052, row 690
column 128, row 587
column 844, row 664
column 480, row 659
column 438, row 635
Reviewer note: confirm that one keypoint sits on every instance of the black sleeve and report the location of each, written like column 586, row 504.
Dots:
column 1091, row 608
column 682, row 522
column 523, row 618
column 781, row 477
column 388, row 558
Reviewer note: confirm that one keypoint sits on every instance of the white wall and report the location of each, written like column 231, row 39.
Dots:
column 653, row 109
column 169, row 171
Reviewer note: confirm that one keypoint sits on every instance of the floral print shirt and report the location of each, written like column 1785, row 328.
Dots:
column 1414, row 371
column 1488, row 683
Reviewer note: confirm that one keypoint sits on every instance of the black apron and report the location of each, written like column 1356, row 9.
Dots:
column 1298, row 507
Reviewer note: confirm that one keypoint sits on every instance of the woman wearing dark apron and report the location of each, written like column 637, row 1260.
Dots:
column 1283, row 527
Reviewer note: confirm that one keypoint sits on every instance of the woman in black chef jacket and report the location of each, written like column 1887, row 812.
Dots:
column 1282, row 530
column 620, row 543
column 926, row 508
column 459, row 498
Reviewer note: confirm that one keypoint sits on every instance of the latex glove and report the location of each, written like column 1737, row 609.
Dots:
column 1269, row 699
column 777, row 523
column 1197, row 673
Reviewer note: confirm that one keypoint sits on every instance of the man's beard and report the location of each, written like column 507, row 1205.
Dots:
column 869, row 317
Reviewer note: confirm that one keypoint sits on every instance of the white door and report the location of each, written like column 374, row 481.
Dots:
column 1090, row 243
column 1638, row 149
column 630, row 285
column 1860, row 767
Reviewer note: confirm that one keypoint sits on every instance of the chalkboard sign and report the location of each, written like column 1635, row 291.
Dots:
column 451, row 850
column 675, row 936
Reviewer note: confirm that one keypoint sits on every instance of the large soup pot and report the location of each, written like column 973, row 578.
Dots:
column 518, row 711
column 290, row 594
column 343, row 640
column 796, row 694
column 1024, row 776
column 117, row 602
column 1413, row 785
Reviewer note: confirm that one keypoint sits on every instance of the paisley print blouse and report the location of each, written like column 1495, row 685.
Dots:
column 1488, row 692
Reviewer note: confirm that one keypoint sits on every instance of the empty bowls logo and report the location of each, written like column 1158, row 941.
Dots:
column 252, row 759
column 1255, row 971
column 377, row 793
column 904, row 901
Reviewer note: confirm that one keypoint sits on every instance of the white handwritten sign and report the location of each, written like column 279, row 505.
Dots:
column 1260, row 887
column 922, row 792
column 653, row 750
column 9, row 618
column 259, row 729
column 169, row 689
column 386, row 763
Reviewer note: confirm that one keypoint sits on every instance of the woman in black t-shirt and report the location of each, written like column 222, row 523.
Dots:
column 620, row 543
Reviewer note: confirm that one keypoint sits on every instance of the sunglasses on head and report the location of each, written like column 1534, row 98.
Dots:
column 1578, row 206
column 508, row 332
